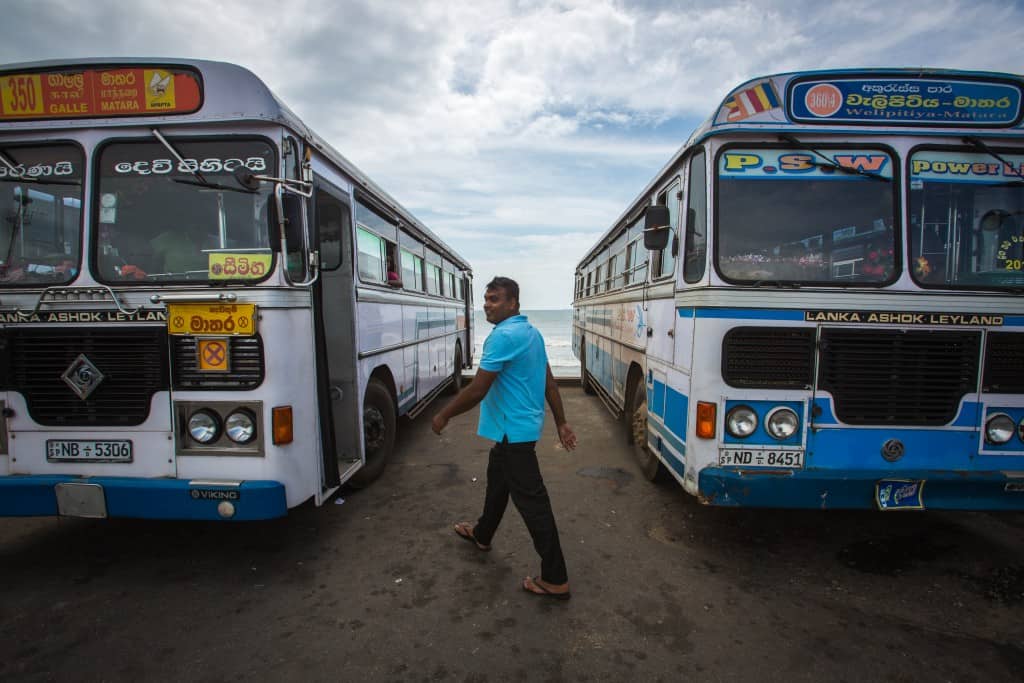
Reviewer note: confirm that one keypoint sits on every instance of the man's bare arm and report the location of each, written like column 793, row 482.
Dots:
column 467, row 399
column 554, row 398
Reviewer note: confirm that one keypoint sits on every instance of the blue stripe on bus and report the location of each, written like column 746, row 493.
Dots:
column 783, row 314
column 943, row 490
column 36, row 495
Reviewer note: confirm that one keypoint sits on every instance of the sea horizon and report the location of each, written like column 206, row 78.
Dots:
column 554, row 324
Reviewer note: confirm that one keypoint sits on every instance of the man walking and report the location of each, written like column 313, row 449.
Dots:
column 513, row 380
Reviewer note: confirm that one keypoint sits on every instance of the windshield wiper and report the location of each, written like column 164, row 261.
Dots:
column 829, row 162
column 978, row 144
column 200, row 180
column 18, row 176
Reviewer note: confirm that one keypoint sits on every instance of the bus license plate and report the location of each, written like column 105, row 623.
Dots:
column 66, row 450
column 740, row 457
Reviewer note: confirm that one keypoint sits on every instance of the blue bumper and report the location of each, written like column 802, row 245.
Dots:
column 35, row 496
column 941, row 490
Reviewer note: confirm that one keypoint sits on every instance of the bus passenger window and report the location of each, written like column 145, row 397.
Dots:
column 371, row 256
column 695, row 244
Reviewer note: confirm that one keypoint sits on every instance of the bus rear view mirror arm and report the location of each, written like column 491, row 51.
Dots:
column 657, row 225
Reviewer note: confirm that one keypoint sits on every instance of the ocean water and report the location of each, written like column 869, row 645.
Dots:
column 556, row 328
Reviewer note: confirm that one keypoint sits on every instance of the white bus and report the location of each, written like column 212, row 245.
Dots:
column 817, row 302
column 206, row 312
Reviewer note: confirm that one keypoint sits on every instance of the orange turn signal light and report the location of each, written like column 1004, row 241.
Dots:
column 706, row 419
column 282, row 425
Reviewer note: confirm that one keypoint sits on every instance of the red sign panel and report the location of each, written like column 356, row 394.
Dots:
column 98, row 93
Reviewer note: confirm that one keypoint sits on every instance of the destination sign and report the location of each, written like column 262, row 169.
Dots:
column 95, row 93
column 903, row 101
column 904, row 318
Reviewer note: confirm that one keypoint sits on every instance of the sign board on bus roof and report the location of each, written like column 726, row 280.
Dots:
column 99, row 93
column 887, row 100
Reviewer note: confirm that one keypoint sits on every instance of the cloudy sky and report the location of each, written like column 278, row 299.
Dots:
column 517, row 131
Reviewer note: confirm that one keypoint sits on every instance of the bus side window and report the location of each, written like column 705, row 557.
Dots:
column 332, row 222
column 663, row 262
column 696, row 241
column 371, row 256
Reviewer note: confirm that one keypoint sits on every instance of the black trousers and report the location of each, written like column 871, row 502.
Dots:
column 512, row 470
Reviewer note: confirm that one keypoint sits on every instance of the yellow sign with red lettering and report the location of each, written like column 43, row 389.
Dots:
column 237, row 320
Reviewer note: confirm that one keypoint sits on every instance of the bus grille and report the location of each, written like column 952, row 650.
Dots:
column 905, row 377
column 133, row 363
column 245, row 361
column 768, row 357
column 1004, row 363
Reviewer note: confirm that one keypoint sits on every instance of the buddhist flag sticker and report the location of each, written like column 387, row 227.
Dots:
column 749, row 101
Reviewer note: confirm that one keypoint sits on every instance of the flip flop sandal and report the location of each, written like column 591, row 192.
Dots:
column 541, row 590
column 465, row 530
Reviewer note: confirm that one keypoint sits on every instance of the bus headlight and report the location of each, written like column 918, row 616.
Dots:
column 203, row 426
column 782, row 423
column 999, row 429
column 741, row 421
column 240, row 426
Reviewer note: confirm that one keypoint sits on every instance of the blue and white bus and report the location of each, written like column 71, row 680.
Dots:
column 817, row 302
column 206, row 312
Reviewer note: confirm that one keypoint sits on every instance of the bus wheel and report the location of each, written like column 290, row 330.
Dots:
column 584, row 382
column 379, row 425
column 456, row 384
column 649, row 463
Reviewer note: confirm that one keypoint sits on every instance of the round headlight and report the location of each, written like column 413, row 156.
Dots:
column 204, row 426
column 782, row 423
column 240, row 426
column 999, row 428
column 741, row 421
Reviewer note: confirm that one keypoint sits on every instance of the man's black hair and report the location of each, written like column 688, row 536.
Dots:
column 510, row 286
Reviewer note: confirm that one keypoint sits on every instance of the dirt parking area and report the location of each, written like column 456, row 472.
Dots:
column 378, row 587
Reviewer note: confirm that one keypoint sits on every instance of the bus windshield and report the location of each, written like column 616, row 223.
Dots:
column 40, row 214
column 789, row 215
column 162, row 219
column 967, row 219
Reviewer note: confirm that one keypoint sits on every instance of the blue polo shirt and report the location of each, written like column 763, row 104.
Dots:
column 514, row 405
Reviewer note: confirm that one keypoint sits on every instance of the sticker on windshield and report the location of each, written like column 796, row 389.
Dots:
column 970, row 167
column 790, row 164
column 240, row 266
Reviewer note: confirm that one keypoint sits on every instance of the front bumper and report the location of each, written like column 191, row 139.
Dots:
column 857, row 489
column 37, row 495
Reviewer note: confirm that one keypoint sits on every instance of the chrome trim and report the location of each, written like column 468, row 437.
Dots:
column 76, row 293
column 837, row 299
column 659, row 290
column 198, row 296
column 402, row 345
column 388, row 296
column 213, row 482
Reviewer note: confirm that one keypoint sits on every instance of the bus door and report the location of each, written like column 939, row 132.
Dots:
column 334, row 305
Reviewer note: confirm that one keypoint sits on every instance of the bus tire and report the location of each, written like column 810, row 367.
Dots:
column 379, row 424
column 455, row 386
column 649, row 464
column 584, row 381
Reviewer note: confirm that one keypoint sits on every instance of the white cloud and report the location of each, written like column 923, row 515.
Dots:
column 504, row 123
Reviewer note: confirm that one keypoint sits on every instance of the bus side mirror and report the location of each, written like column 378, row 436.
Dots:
column 656, row 227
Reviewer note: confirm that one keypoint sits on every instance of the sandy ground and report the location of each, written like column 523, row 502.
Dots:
column 379, row 588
